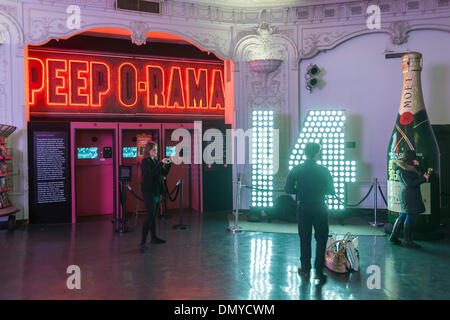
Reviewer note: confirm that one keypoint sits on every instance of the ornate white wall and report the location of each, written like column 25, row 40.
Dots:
column 12, row 103
column 289, row 32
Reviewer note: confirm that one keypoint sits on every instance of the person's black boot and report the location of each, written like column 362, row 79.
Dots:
column 143, row 248
column 408, row 235
column 395, row 231
column 321, row 276
column 155, row 239
column 158, row 240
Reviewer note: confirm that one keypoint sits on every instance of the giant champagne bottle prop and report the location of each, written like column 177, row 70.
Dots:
column 413, row 131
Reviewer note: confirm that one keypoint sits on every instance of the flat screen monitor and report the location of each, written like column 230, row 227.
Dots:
column 87, row 153
column 129, row 152
column 170, row 151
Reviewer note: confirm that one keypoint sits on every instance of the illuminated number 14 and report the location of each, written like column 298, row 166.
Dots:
column 327, row 127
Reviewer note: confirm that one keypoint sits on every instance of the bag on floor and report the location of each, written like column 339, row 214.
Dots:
column 336, row 254
column 353, row 253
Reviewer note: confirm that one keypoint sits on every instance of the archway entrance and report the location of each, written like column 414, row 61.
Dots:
column 99, row 79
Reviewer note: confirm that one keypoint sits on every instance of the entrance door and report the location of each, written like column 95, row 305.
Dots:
column 189, row 172
column 128, row 154
column 94, row 156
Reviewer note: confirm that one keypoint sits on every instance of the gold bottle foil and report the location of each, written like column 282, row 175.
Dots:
column 412, row 98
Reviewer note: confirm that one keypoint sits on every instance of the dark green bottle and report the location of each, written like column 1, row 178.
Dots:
column 413, row 131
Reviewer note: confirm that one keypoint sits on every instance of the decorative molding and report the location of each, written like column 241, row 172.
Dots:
column 314, row 42
column 309, row 27
column 218, row 41
column 288, row 33
column 266, row 91
column 5, row 74
column 325, row 38
column 264, row 46
column 99, row 3
column 8, row 19
column 244, row 33
column 10, row 10
column 4, row 34
column 398, row 31
column 4, row 79
column 265, row 43
column 41, row 26
column 11, row 38
column 20, row 49
column 139, row 30
column 286, row 12
column 43, row 29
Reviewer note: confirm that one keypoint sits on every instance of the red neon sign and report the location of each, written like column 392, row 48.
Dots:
column 100, row 80
column 127, row 84
column 36, row 75
column 78, row 83
column 56, row 81
column 97, row 83
column 155, row 85
column 176, row 94
column 196, row 88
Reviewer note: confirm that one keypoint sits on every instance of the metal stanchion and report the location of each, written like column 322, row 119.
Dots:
column 375, row 204
column 121, row 221
column 163, row 205
column 236, row 228
column 181, row 226
column 137, row 206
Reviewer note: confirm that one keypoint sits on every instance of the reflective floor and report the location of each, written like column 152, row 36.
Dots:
column 205, row 262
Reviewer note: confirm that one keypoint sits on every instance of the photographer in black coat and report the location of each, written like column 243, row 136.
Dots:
column 152, row 187
column 410, row 197
column 311, row 182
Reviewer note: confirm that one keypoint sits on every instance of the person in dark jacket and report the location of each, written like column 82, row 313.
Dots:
column 310, row 182
column 152, row 171
column 410, row 197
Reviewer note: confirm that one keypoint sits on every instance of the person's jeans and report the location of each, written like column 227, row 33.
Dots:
column 408, row 218
column 308, row 217
column 151, row 203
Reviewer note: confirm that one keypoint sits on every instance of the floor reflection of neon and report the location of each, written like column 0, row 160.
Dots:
column 293, row 282
column 260, row 262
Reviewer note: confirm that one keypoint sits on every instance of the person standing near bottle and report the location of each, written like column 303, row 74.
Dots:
column 152, row 171
column 310, row 182
column 410, row 197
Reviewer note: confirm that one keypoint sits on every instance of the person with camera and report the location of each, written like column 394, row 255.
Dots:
column 311, row 182
column 153, row 171
column 410, row 176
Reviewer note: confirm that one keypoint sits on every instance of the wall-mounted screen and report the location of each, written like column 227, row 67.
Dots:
column 129, row 152
column 87, row 153
column 170, row 151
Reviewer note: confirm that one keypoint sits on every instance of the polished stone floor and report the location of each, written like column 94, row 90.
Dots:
column 203, row 263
